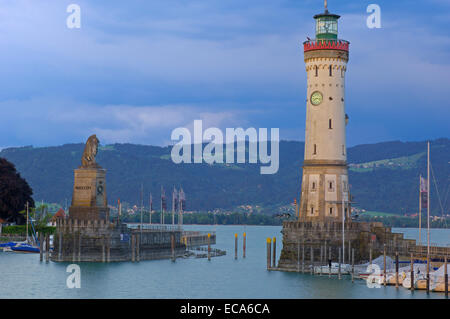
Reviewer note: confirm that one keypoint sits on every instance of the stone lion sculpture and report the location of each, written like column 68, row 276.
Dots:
column 90, row 151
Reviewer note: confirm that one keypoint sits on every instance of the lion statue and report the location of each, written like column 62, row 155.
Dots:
column 90, row 151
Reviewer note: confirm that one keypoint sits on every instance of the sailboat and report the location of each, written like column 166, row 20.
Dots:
column 24, row 246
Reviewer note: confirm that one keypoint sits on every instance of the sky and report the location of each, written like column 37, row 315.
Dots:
column 138, row 69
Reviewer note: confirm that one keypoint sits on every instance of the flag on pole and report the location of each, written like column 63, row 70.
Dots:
column 174, row 200
column 163, row 199
column 423, row 192
column 182, row 199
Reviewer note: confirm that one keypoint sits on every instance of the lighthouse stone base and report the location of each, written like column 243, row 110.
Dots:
column 360, row 236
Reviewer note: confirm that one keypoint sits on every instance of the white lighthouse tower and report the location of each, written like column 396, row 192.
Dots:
column 325, row 191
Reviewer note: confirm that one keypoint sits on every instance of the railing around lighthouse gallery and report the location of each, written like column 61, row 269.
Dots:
column 322, row 44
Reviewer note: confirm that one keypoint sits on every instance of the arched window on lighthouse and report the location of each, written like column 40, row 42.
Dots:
column 312, row 210
column 317, row 70
column 331, row 210
column 329, row 124
column 315, row 149
column 331, row 68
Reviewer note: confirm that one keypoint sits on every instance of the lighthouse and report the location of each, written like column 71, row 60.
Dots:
column 325, row 189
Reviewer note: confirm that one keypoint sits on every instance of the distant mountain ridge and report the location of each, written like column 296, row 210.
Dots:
column 389, row 183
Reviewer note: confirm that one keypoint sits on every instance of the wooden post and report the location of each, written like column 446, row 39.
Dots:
column 172, row 244
column 353, row 264
column 396, row 269
column 384, row 265
column 103, row 250
column 445, row 278
column 133, row 249
column 349, row 251
column 428, row 273
column 74, row 246
column 138, row 247
column 209, row 247
column 268, row 252
column 274, row 257
column 370, row 256
column 235, row 246
column 329, row 262
column 303, row 257
column 339, row 271
column 298, row 256
column 47, row 247
column 321, row 260
column 325, row 252
column 312, row 259
column 412, row 272
column 41, row 247
column 244, row 245
column 79, row 247
column 60, row 243
column 108, row 249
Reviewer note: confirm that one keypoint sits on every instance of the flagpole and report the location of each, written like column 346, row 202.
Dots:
column 428, row 208
column 420, row 209
column 151, row 208
column 343, row 225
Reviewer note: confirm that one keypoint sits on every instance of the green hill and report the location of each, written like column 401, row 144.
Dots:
column 383, row 176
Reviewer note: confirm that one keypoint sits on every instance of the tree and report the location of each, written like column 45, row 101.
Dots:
column 14, row 193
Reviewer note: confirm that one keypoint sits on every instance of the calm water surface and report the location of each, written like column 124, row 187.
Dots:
column 23, row 276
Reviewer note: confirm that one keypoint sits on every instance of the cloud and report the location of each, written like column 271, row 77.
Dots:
column 137, row 69
column 49, row 121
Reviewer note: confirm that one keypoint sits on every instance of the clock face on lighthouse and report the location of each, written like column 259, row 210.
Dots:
column 316, row 98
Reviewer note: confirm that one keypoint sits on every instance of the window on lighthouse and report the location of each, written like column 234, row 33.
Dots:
column 331, row 72
column 331, row 210
column 317, row 70
column 329, row 124
column 315, row 149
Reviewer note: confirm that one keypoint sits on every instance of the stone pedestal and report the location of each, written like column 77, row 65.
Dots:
column 89, row 195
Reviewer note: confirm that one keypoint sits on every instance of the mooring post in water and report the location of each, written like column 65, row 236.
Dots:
column 298, row 256
column 41, row 247
column 412, row 272
column 396, row 269
column 312, row 260
column 384, row 265
column 349, row 251
column 138, row 247
column 428, row 274
column 274, row 257
column 370, row 256
column 172, row 245
column 303, row 257
column 325, row 252
column 353, row 264
column 133, row 249
column 445, row 277
column 47, row 247
column 235, row 246
column 321, row 260
column 79, row 248
column 209, row 246
column 244, row 245
column 60, row 242
column 339, row 270
column 268, row 252
column 329, row 262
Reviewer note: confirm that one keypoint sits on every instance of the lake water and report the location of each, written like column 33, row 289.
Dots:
column 24, row 276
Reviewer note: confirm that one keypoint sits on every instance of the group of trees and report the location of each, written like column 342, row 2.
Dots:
column 14, row 194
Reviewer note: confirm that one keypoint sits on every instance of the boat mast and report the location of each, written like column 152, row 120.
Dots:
column 428, row 208
column 420, row 208
column 343, row 226
column 27, row 223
